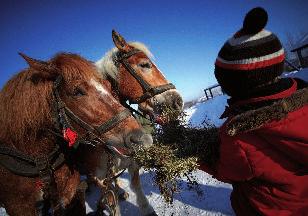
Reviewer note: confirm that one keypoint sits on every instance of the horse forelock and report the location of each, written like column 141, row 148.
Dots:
column 106, row 65
column 73, row 67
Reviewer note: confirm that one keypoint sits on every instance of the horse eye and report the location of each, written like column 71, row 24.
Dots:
column 78, row 92
column 145, row 65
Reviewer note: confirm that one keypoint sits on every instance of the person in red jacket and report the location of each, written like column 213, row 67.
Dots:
column 263, row 148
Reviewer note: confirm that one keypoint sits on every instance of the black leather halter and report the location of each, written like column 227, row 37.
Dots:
column 149, row 91
column 65, row 114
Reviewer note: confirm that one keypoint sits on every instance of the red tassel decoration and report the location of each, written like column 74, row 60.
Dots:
column 70, row 136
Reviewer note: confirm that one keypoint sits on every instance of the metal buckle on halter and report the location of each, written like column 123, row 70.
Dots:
column 43, row 167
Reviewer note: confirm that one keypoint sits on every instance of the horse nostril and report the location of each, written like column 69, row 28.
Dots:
column 135, row 139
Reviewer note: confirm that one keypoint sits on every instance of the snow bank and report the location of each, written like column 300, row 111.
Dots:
column 209, row 110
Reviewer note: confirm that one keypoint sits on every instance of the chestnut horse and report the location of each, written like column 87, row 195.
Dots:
column 53, row 116
column 135, row 78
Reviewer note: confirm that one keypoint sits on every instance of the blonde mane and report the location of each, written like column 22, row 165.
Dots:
column 106, row 65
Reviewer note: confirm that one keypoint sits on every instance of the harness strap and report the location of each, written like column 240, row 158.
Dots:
column 118, row 174
column 4, row 150
column 122, row 55
column 21, row 164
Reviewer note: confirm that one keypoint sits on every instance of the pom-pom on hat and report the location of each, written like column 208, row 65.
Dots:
column 253, row 57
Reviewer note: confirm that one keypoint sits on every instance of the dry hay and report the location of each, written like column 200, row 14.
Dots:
column 178, row 148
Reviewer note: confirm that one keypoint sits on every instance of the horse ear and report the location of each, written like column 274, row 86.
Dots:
column 119, row 41
column 41, row 69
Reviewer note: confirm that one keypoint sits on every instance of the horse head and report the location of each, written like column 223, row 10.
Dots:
column 137, row 79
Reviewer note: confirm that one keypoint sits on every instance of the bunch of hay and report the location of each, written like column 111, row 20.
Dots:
column 167, row 166
column 201, row 142
column 178, row 148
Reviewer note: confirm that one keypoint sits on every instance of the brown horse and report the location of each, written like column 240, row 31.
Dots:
column 134, row 77
column 64, row 95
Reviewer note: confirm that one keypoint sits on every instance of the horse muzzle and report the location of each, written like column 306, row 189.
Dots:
column 138, row 138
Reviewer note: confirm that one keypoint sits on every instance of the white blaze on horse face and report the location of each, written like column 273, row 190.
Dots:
column 103, row 92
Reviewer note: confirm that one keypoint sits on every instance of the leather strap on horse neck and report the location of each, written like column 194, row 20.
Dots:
column 22, row 164
column 150, row 91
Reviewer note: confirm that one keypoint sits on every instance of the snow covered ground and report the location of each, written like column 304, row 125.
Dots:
column 209, row 110
column 213, row 201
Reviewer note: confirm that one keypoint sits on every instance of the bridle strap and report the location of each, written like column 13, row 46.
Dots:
column 132, row 71
column 126, row 55
column 65, row 113
column 150, row 92
column 78, row 120
column 115, row 120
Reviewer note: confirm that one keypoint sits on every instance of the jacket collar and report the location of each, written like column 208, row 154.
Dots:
column 256, row 118
column 237, row 107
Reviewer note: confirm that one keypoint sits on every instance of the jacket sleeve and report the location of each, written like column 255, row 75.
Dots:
column 233, row 164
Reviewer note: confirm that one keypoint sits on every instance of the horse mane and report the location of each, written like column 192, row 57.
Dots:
column 106, row 65
column 25, row 106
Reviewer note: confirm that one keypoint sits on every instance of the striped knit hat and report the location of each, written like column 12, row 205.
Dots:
column 252, row 58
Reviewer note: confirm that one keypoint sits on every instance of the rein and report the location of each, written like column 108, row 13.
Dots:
column 121, row 57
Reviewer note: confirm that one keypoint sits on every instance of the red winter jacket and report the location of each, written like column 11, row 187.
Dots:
column 264, row 155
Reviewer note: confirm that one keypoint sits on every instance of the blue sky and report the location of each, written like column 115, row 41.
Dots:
column 184, row 36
